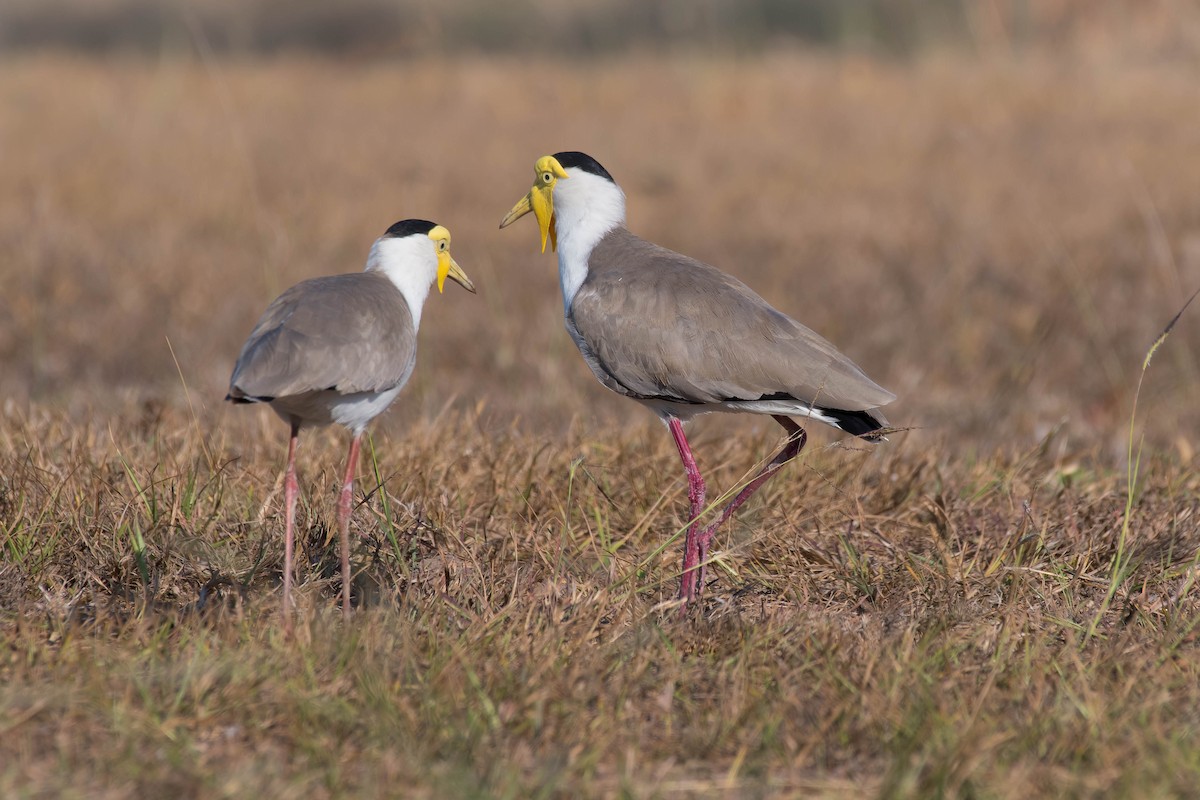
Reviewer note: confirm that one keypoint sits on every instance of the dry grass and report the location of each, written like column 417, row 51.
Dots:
column 906, row 622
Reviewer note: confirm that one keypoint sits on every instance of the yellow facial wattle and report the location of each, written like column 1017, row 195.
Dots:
column 540, row 200
column 447, row 266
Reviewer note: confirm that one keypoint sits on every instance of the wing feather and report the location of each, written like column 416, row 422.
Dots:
column 350, row 333
column 656, row 324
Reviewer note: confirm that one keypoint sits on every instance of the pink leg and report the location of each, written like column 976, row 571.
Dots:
column 344, row 503
column 291, row 488
column 696, row 494
column 795, row 443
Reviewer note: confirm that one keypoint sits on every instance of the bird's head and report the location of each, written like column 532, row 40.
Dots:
column 540, row 200
column 417, row 251
column 446, row 265
column 548, row 171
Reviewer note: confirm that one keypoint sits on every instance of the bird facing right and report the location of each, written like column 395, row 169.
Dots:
column 339, row 349
column 683, row 338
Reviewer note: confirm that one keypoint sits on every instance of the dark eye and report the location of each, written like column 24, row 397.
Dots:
column 442, row 245
column 547, row 177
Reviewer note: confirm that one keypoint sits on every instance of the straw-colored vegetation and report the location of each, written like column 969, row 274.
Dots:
column 999, row 244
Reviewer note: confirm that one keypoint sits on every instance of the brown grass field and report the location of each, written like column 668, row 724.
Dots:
column 983, row 606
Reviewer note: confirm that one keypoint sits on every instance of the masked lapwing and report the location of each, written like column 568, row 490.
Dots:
column 339, row 349
column 683, row 338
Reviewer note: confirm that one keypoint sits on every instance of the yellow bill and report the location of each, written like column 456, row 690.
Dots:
column 448, row 266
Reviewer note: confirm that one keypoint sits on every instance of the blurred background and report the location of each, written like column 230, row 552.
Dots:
column 1154, row 29
column 993, row 207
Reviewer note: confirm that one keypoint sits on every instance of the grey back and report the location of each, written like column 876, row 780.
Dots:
column 661, row 325
column 352, row 333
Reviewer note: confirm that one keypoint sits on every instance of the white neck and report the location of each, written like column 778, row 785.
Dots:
column 410, row 263
column 586, row 207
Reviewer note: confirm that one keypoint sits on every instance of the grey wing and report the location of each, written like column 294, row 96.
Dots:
column 674, row 328
column 350, row 333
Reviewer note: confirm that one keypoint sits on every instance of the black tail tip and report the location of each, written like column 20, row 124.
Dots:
column 863, row 424
column 242, row 398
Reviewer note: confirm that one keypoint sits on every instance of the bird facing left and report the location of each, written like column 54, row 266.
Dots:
column 339, row 349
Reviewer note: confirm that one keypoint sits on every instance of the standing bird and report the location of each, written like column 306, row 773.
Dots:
column 683, row 338
column 339, row 349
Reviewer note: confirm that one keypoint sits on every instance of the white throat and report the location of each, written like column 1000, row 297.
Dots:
column 586, row 207
column 409, row 262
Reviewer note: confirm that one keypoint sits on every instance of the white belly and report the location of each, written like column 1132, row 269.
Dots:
column 353, row 411
column 785, row 408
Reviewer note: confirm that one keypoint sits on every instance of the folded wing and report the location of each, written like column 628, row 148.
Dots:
column 349, row 333
column 654, row 324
